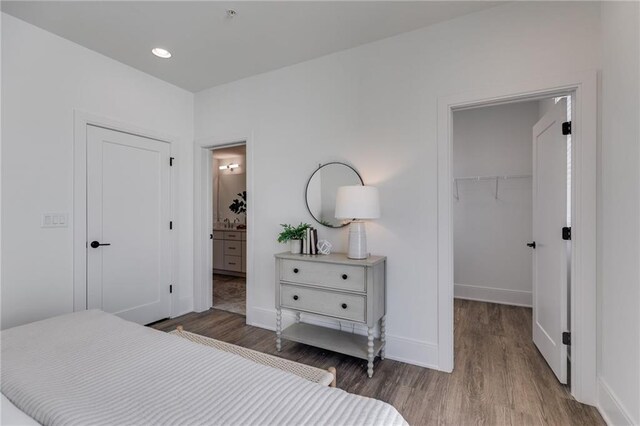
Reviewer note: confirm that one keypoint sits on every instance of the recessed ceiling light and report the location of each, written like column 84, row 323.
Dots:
column 161, row 53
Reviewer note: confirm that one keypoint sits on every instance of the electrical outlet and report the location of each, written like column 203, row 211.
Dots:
column 55, row 220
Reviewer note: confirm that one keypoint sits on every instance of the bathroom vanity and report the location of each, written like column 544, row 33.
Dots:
column 230, row 252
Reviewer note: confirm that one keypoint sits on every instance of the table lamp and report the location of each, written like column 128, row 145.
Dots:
column 357, row 202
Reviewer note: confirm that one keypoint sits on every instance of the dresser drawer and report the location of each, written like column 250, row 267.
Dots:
column 342, row 277
column 229, row 235
column 339, row 305
column 233, row 263
column 233, row 248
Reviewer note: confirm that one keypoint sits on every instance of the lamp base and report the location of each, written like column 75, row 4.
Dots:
column 357, row 241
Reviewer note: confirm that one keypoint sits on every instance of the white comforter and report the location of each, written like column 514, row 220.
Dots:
column 94, row 368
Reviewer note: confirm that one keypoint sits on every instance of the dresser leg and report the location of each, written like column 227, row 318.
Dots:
column 383, row 335
column 370, row 352
column 278, row 329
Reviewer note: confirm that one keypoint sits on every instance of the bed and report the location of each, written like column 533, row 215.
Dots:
column 94, row 368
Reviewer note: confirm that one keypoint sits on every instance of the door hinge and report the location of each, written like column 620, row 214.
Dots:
column 170, row 224
column 171, row 161
column 566, row 233
column 170, row 288
column 566, row 128
column 566, row 338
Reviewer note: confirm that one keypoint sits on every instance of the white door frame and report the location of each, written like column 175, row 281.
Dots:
column 81, row 120
column 583, row 261
column 203, row 220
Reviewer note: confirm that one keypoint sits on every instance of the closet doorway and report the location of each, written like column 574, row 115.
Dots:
column 511, row 216
column 229, row 228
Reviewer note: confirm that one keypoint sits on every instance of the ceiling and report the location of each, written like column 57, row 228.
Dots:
column 229, row 152
column 209, row 48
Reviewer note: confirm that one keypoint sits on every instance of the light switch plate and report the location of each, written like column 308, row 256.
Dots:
column 55, row 220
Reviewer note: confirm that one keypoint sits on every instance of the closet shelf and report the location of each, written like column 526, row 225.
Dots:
column 497, row 178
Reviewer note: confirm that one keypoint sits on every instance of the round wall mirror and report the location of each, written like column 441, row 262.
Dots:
column 322, row 188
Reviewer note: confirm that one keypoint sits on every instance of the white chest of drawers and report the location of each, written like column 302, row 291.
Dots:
column 335, row 287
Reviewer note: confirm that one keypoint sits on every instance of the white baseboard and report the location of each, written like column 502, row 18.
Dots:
column 610, row 407
column 403, row 349
column 185, row 306
column 412, row 351
column 493, row 295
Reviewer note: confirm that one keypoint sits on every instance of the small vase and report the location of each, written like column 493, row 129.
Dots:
column 296, row 246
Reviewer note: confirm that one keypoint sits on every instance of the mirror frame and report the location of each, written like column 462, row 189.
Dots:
column 306, row 190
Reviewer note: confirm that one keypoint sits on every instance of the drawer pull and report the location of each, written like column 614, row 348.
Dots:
column 296, row 270
column 295, row 297
column 231, row 248
column 231, row 263
column 345, row 276
column 344, row 306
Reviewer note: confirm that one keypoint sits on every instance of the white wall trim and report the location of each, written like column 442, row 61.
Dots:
column 610, row 407
column 403, row 349
column 81, row 120
column 203, row 221
column 492, row 295
column 583, row 285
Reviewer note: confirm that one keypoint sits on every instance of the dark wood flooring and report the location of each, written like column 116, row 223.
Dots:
column 499, row 377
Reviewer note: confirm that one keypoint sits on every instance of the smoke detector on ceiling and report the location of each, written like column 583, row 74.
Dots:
column 231, row 13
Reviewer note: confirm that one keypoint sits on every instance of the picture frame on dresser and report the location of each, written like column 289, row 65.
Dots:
column 336, row 288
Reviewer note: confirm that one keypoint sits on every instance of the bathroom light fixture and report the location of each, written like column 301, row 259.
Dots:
column 161, row 53
column 229, row 166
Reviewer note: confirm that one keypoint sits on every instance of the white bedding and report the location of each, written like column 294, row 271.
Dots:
column 10, row 415
column 94, row 368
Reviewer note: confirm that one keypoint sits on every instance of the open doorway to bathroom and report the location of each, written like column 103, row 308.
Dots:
column 229, row 235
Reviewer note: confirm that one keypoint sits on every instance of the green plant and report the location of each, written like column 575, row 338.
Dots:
column 292, row 232
column 239, row 205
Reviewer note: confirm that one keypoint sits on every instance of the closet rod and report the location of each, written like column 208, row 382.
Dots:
column 492, row 177
column 479, row 178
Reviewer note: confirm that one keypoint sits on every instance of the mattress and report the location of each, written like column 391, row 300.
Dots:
column 90, row 367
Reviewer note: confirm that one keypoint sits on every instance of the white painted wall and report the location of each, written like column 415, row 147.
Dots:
column 375, row 107
column 44, row 78
column 619, row 236
column 491, row 259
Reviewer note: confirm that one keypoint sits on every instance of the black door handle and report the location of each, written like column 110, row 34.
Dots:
column 532, row 244
column 96, row 244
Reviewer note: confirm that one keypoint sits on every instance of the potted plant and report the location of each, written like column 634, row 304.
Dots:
column 294, row 235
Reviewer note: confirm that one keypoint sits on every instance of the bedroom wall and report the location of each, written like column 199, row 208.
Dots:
column 375, row 106
column 619, row 214
column 44, row 78
column 491, row 261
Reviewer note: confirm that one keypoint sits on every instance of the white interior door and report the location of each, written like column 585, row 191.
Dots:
column 128, row 208
column 550, row 251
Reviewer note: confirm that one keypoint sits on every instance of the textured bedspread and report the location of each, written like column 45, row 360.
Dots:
column 94, row 368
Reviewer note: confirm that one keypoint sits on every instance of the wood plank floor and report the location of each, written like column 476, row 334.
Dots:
column 499, row 377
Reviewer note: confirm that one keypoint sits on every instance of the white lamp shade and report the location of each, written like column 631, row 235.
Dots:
column 357, row 202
